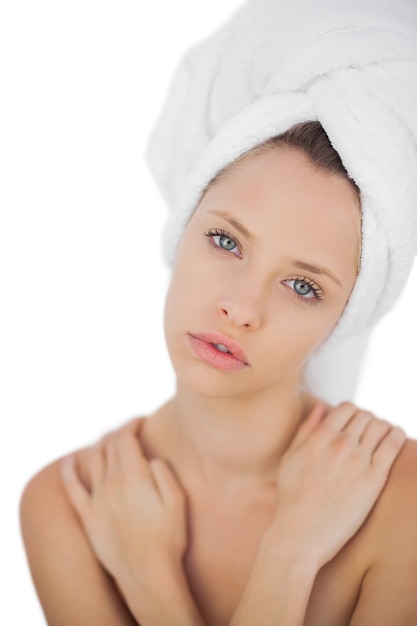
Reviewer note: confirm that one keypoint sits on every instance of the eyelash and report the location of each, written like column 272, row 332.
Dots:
column 220, row 232
column 318, row 294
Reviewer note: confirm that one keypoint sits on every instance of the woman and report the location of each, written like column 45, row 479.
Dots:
column 244, row 499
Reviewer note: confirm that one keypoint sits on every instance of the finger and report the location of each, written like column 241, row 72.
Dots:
column 136, row 424
column 338, row 417
column 309, row 424
column 130, row 452
column 77, row 493
column 357, row 424
column 111, row 456
column 171, row 492
column 388, row 449
column 373, row 434
column 95, row 463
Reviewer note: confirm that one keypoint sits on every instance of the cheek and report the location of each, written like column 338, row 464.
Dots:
column 193, row 272
column 298, row 334
column 174, row 322
column 183, row 296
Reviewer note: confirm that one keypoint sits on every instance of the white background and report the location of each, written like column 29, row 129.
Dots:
column 82, row 282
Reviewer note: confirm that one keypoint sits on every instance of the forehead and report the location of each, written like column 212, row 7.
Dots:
column 280, row 194
column 284, row 162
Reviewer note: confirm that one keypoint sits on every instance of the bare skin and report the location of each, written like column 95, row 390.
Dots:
column 224, row 478
column 361, row 584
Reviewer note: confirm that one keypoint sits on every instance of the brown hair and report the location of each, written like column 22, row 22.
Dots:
column 307, row 136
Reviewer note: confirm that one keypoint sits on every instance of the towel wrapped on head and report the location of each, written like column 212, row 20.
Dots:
column 352, row 66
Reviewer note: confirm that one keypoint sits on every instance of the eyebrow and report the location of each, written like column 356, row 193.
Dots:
column 251, row 238
column 315, row 270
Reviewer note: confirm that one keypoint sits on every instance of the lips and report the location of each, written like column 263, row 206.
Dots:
column 216, row 338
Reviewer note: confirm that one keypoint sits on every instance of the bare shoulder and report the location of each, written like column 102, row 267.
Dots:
column 406, row 463
column 72, row 586
column 394, row 514
column 400, row 492
column 387, row 593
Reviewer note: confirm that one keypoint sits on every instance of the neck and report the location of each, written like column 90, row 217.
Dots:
column 231, row 444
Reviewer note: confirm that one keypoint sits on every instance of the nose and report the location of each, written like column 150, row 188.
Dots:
column 241, row 309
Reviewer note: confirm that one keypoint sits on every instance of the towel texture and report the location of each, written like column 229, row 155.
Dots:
column 350, row 64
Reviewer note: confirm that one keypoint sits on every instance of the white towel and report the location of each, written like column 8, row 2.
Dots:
column 352, row 65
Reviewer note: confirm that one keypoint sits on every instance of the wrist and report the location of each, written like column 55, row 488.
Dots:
column 279, row 585
column 293, row 548
column 159, row 595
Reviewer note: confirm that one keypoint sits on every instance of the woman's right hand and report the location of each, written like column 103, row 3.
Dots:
column 330, row 477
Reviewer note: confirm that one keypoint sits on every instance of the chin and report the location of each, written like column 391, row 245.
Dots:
column 209, row 382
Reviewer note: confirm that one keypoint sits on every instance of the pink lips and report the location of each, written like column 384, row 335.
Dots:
column 202, row 344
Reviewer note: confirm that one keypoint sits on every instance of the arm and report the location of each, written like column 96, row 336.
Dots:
column 329, row 479
column 317, row 509
column 72, row 586
column 134, row 516
column 278, row 587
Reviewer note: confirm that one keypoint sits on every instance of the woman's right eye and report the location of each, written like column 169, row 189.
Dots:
column 223, row 240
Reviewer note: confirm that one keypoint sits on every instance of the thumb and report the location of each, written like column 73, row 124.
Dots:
column 308, row 424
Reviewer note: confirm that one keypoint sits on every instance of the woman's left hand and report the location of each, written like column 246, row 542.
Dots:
column 135, row 513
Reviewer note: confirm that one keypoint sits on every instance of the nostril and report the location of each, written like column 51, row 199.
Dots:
column 238, row 315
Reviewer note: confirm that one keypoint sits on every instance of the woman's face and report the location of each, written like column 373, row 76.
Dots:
column 268, row 259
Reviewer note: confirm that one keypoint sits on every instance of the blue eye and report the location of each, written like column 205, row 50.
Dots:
column 222, row 240
column 302, row 288
column 226, row 242
column 306, row 290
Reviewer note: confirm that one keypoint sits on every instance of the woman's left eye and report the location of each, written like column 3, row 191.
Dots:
column 305, row 290
column 222, row 240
